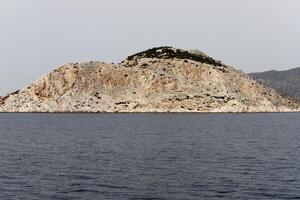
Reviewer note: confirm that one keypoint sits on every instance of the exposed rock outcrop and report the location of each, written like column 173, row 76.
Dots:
column 157, row 80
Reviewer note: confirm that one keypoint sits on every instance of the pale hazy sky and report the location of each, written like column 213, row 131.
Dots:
column 36, row 36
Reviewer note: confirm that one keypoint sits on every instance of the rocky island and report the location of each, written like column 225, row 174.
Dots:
column 162, row 79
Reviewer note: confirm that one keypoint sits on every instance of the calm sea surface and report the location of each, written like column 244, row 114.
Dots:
column 149, row 156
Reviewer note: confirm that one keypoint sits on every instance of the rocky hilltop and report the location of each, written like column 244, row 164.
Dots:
column 286, row 82
column 161, row 79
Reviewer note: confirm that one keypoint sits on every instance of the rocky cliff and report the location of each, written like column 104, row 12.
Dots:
column 157, row 80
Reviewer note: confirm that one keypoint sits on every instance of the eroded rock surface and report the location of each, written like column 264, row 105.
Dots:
column 157, row 80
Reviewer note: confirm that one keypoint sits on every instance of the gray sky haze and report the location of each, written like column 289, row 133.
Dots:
column 36, row 36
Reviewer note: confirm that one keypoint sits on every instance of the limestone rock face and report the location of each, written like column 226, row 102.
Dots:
column 161, row 79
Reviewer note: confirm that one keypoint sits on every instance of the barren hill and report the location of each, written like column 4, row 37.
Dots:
column 161, row 79
column 286, row 82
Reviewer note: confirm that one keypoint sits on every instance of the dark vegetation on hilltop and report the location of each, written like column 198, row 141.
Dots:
column 170, row 53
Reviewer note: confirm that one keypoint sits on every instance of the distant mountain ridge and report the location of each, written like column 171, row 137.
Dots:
column 286, row 82
column 162, row 79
